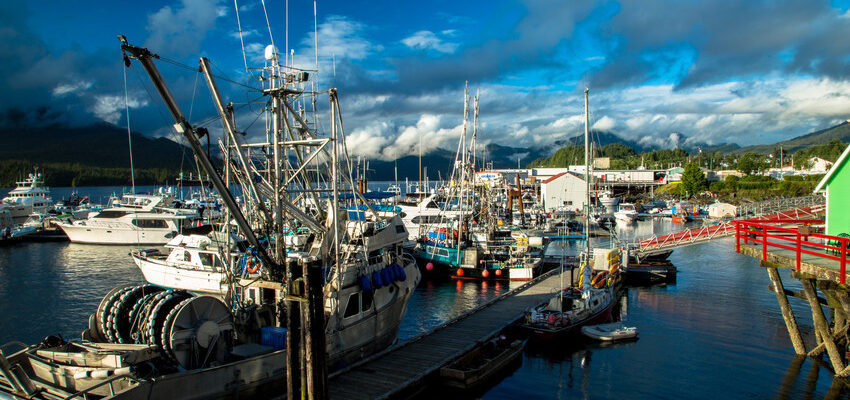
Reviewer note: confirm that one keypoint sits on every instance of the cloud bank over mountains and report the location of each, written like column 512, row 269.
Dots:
column 713, row 71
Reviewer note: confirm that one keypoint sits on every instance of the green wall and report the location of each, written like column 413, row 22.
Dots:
column 838, row 213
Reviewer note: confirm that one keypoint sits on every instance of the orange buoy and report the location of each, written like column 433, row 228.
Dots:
column 498, row 272
column 485, row 273
column 459, row 272
column 429, row 266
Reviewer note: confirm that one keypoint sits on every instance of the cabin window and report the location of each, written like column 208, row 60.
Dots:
column 187, row 257
column 442, row 252
column 399, row 229
column 367, row 301
column 353, row 307
column 206, row 259
column 432, row 204
column 150, row 223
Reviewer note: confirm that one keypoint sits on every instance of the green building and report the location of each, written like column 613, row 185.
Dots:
column 836, row 185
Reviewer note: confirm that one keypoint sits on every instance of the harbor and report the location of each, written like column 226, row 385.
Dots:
column 685, row 331
column 526, row 200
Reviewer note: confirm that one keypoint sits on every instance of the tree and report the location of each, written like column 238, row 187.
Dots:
column 693, row 179
column 748, row 163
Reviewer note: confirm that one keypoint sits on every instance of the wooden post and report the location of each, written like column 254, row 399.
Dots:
column 787, row 313
column 314, row 328
column 293, row 336
column 821, row 326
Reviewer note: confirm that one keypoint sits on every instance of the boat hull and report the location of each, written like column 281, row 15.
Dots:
column 116, row 235
column 159, row 273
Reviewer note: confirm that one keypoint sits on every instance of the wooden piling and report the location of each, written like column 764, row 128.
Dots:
column 314, row 330
column 787, row 313
column 822, row 327
column 293, row 335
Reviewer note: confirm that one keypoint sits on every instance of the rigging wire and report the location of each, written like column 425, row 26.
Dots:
column 268, row 25
column 129, row 136
column 242, row 41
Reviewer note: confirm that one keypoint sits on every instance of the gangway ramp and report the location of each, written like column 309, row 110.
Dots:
column 402, row 370
column 662, row 243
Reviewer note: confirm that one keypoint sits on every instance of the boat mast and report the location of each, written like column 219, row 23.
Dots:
column 192, row 136
column 587, row 175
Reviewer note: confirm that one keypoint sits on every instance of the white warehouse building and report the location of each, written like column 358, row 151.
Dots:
column 564, row 191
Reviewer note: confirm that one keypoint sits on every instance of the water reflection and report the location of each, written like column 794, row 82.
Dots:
column 717, row 332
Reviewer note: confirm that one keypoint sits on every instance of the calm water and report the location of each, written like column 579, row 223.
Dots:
column 716, row 333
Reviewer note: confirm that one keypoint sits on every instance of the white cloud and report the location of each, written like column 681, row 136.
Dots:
column 340, row 37
column 605, row 123
column 110, row 108
column 427, row 40
column 71, row 87
column 388, row 142
column 180, row 29
column 246, row 34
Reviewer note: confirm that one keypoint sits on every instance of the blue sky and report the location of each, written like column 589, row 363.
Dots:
column 716, row 71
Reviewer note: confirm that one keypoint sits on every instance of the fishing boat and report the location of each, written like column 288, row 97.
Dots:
column 610, row 332
column 29, row 196
column 194, row 263
column 481, row 364
column 335, row 295
column 592, row 299
column 465, row 241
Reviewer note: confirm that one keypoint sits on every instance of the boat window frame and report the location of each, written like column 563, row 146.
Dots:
column 354, row 297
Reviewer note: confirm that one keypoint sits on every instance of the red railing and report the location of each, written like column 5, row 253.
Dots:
column 792, row 238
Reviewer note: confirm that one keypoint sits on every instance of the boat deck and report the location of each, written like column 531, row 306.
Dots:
column 402, row 370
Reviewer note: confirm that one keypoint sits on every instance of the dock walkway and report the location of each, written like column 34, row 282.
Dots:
column 401, row 370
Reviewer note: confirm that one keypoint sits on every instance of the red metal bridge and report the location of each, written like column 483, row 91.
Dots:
column 659, row 244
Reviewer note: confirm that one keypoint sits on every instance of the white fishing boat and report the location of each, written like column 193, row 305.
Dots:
column 29, row 196
column 194, row 263
column 331, row 286
column 610, row 331
column 608, row 200
column 138, row 219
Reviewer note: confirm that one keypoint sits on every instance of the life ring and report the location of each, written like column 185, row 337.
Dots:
column 251, row 266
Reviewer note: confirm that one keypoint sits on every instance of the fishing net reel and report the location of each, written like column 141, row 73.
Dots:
column 188, row 330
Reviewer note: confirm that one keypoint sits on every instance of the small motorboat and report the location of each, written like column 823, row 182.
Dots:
column 609, row 332
column 475, row 368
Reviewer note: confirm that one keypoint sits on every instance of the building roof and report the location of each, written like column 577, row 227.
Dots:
column 841, row 160
column 560, row 175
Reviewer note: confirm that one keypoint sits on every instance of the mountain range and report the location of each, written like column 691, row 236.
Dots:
column 107, row 146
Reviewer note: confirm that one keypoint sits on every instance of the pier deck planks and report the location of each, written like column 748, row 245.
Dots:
column 407, row 364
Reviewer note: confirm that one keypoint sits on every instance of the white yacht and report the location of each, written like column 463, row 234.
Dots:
column 423, row 212
column 626, row 213
column 194, row 263
column 138, row 219
column 29, row 196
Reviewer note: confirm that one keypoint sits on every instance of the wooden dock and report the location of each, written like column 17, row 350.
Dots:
column 819, row 262
column 404, row 369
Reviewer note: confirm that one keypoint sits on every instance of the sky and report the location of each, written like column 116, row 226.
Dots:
column 712, row 71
